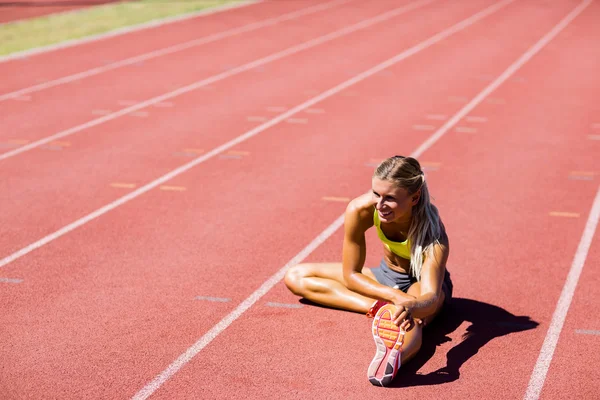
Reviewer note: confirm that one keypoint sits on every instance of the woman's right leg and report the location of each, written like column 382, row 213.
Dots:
column 323, row 283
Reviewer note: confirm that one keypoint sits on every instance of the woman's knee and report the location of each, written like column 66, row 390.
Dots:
column 293, row 278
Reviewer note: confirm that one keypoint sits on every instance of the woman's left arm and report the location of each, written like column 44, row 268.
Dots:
column 432, row 278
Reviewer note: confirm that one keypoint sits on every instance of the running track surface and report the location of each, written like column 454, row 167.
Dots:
column 102, row 310
column 22, row 9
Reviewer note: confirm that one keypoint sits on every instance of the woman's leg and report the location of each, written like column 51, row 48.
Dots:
column 323, row 283
column 413, row 338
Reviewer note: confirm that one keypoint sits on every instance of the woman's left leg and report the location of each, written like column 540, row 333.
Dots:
column 413, row 338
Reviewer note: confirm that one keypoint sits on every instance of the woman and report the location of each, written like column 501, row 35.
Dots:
column 411, row 284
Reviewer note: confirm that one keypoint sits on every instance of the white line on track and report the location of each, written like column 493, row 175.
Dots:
column 503, row 77
column 538, row 377
column 172, row 49
column 234, row 71
column 540, row 370
column 10, row 280
column 191, row 352
column 125, row 30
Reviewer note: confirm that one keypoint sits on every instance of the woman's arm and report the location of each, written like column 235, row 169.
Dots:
column 356, row 222
column 432, row 278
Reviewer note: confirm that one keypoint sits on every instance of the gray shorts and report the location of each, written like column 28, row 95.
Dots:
column 401, row 281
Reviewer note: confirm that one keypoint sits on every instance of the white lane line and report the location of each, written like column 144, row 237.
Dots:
column 514, row 67
column 542, row 365
column 283, row 305
column 191, row 352
column 245, row 67
column 10, row 280
column 172, row 49
column 213, row 299
column 587, row 332
column 125, row 30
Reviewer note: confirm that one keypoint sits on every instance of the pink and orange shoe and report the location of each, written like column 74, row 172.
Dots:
column 388, row 339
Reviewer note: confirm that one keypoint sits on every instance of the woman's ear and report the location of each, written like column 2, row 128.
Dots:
column 415, row 197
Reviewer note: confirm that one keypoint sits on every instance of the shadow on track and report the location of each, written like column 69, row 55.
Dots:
column 487, row 322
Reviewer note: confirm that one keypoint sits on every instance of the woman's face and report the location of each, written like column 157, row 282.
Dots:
column 393, row 203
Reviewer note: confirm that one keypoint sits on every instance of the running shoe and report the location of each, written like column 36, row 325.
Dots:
column 388, row 339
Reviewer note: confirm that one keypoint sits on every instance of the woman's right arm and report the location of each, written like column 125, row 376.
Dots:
column 356, row 222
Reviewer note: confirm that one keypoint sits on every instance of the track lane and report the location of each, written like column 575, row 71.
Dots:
column 255, row 197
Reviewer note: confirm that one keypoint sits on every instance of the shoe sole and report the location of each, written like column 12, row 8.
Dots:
column 388, row 338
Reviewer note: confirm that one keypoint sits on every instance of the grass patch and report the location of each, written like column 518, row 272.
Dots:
column 51, row 29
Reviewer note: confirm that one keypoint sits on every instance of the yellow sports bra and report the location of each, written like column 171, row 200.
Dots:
column 401, row 249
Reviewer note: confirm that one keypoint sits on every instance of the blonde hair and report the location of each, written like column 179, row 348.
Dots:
column 425, row 227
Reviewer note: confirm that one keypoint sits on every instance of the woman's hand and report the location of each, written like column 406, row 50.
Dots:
column 402, row 317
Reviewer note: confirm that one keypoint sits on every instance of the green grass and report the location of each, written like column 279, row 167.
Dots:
column 51, row 29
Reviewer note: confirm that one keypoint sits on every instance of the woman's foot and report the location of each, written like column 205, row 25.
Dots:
column 388, row 338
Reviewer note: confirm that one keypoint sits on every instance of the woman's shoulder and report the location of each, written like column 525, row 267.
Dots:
column 361, row 209
column 362, row 205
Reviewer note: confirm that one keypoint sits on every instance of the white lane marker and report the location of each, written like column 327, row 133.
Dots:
column 10, row 280
column 565, row 214
column 296, row 121
column 282, row 305
column 173, row 188
column 191, row 352
column 123, row 185
column 594, row 137
column 542, row 365
column 587, row 331
column 423, row 127
column 245, row 67
column 125, row 30
column 475, row 119
column 213, row 299
column 465, row 129
column 171, row 49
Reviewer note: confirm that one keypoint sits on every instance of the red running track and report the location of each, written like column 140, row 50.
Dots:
column 104, row 309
